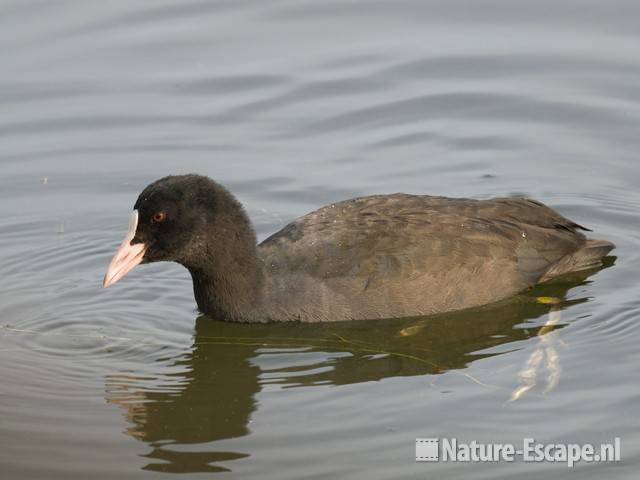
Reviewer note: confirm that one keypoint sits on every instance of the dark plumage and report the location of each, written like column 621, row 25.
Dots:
column 371, row 257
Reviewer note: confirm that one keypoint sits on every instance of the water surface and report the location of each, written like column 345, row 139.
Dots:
column 293, row 105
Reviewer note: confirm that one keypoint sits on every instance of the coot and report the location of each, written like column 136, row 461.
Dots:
column 380, row 256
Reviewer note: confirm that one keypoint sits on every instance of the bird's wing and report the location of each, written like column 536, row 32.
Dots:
column 390, row 237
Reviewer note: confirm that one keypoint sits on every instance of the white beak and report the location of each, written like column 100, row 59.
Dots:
column 127, row 256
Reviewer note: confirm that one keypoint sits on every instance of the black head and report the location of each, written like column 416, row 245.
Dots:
column 185, row 219
column 173, row 215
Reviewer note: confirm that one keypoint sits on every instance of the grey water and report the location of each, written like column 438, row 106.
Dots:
column 293, row 105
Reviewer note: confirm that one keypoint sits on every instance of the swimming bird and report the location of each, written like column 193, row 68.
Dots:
column 379, row 256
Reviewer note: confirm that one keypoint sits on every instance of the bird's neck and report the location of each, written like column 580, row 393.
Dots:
column 228, row 281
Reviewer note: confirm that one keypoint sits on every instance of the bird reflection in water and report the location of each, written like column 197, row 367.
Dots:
column 208, row 393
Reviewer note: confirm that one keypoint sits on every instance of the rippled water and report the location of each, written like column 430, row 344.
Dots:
column 292, row 105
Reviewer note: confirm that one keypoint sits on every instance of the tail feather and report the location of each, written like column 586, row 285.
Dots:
column 588, row 257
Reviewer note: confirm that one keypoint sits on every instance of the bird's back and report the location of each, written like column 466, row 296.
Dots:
column 402, row 255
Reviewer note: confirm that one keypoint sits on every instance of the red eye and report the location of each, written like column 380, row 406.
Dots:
column 159, row 217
